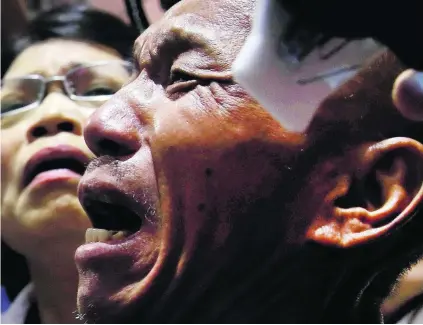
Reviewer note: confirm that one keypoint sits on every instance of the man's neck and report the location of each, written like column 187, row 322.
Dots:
column 55, row 280
column 315, row 286
column 310, row 286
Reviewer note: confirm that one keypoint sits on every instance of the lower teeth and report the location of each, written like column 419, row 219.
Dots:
column 101, row 235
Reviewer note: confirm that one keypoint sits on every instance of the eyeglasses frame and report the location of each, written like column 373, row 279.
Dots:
column 66, row 86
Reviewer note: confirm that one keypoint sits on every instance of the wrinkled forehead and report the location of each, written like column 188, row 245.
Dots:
column 216, row 10
column 220, row 26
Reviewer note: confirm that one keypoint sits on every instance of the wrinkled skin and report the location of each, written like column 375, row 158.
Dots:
column 236, row 199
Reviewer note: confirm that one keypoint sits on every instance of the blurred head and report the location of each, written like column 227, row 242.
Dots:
column 208, row 211
column 62, row 70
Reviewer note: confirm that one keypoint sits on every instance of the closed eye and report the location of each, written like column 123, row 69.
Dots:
column 181, row 83
column 179, row 76
column 181, row 80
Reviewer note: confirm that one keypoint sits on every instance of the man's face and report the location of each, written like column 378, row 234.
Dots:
column 200, row 182
column 195, row 154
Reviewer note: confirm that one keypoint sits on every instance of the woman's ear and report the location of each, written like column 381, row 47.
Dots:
column 382, row 190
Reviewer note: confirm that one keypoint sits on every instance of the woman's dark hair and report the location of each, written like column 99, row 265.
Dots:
column 65, row 22
column 72, row 22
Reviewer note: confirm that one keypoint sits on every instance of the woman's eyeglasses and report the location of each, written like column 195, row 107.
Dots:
column 87, row 83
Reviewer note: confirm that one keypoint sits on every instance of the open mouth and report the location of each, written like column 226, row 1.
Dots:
column 55, row 159
column 122, row 202
column 112, row 222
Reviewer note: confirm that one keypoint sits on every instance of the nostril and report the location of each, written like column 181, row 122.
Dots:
column 112, row 148
column 65, row 126
column 39, row 131
column 111, row 136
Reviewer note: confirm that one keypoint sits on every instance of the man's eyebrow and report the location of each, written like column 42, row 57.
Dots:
column 136, row 55
column 135, row 51
column 174, row 33
column 198, row 37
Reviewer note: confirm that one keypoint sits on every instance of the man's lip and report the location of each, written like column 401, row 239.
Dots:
column 96, row 251
column 87, row 193
column 131, row 183
column 106, row 181
column 50, row 153
column 123, row 255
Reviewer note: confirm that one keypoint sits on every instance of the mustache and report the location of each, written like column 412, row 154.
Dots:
column 119, row 174
column 112, row 165
column 102, row 161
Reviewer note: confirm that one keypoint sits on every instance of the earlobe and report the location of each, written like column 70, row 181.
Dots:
column 382, row 191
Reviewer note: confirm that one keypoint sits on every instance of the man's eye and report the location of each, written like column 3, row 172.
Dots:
column 179, row 76
column 99, row 91
column 181, row 83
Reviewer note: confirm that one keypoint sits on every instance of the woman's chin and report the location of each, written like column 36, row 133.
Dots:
column 60, row 195
column 44, row 185
column 58, row 211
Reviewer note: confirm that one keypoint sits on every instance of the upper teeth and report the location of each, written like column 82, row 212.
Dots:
column 102, row 235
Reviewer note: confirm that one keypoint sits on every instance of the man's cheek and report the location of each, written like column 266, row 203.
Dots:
column 239, row 152
column 206, row 190
column 212, row 167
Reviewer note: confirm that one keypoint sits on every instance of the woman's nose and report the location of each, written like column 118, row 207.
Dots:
column 113, row 130
column 55, row 116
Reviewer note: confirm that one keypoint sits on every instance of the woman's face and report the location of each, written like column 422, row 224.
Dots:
column 42, row 149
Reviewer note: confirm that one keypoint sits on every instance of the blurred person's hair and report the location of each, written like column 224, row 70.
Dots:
column 74, row 23
column 71, row 22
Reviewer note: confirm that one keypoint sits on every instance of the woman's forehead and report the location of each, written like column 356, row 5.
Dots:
column 53, row 57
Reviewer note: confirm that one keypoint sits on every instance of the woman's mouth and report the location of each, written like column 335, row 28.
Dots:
column 55, row 164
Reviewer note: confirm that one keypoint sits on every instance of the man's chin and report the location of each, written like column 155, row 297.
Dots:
column 112, row 277
column 102, row 301
column 98, row 301
column 89, row 310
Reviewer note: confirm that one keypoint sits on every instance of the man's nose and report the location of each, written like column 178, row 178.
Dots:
column 55, row 116
column 113, row 129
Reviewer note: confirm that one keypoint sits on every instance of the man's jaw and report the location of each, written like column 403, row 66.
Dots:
column 152, row 274
column 122, row 201
column 157, row 272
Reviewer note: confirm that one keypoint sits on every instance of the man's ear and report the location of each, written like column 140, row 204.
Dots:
column 381, row 191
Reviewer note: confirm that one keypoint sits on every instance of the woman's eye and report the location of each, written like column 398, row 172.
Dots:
column 11, row 106
column 99, row 91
